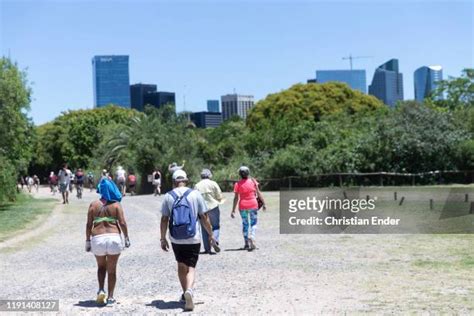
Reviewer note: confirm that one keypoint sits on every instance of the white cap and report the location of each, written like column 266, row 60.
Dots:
column 180, row 175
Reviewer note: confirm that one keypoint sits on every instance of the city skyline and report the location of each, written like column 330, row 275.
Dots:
column 205, row 50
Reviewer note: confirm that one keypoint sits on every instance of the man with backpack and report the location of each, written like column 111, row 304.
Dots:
column 183, row 212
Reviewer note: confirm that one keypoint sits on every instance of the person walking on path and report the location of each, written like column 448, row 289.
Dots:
column 121, row 177
column 105, row 223
column 64, row 176
column 30, row 182
column 174, row 167
column 132, row 182
column 36, row 181
column 183, row 212
column 90, row 180
column 247, row 194
column 156, row 181
column 53, row 182
column 212, row 194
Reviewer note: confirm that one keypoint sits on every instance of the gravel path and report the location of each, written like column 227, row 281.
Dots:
column 287, row 275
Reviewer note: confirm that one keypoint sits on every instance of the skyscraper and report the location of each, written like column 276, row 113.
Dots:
column 353, row 78
column 425, row 80
column 160, row 98
column 213, row 105
column 236, row 104
column 138, row 92
column 111, row 80
column 387, row 83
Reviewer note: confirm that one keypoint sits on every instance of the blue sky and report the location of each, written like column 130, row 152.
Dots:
column 205, row 49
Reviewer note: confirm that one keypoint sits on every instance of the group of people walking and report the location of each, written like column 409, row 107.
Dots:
column 187, row 217
column 30, row 182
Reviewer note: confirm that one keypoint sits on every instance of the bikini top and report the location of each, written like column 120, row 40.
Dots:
column 107, row 218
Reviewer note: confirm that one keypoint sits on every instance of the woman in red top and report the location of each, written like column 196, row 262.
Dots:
column 246, row 193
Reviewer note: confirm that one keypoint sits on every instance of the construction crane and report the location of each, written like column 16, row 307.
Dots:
column 350, row 57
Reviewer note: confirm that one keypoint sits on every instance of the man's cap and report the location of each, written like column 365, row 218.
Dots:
column 180, row 175
column 206, row 173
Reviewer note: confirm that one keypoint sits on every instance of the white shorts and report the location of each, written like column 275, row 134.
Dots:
column 106, row 244
column 157, row 182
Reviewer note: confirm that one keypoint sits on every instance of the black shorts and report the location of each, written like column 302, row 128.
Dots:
column 187, row 254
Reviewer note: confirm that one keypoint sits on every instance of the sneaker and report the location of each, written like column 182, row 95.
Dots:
column 111, row 301
column 188, row 297
column 182, row 299
column 246, row 246
column 101, row 298
column 252, row 245
column 216, row 247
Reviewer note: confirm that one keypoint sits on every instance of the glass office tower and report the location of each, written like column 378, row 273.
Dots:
column 425, row 80
column 160, row 98
column 138, row 92
column 111, row 80
column 353, row 78
column 212, row 105
column 387, row 83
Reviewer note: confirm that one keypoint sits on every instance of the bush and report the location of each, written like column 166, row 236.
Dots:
column 7, row 181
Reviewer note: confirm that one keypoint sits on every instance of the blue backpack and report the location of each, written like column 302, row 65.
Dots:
column 182, row 220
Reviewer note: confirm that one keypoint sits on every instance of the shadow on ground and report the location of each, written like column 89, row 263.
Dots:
column 89, row 303
column 160, row 304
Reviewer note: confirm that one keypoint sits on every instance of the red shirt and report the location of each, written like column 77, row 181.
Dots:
column 247, row 190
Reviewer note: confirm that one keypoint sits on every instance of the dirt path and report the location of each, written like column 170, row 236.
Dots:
column 289, row 274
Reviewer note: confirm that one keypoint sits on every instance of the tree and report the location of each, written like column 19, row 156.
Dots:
column 458, row 92
column 309, row 102
column 73, row 136
column 153, row 141
column 15, row 127
column 16, row 130
column 414, row 138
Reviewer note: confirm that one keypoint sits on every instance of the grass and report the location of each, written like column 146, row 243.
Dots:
column 22, row 213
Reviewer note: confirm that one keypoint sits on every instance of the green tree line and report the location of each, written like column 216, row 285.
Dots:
column 303, row 130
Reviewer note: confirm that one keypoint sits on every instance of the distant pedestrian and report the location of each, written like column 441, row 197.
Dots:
column 30, row 182
column 79, row 182
column 183, row 212
column 156, row 181
column 64, row 176
column 132, row 182
column 246, row 194
column 105, row 224
column 36, row 181
column 120, row 177
column 104, row 175
column 53, row 182
column 22, row 182
column 174, row 167
column 212, row 194
column 90, row 180
column 72, row 181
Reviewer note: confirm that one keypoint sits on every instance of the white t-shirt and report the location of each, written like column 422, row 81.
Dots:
column 64, row 176
column 198, row 206
column 121, row 174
